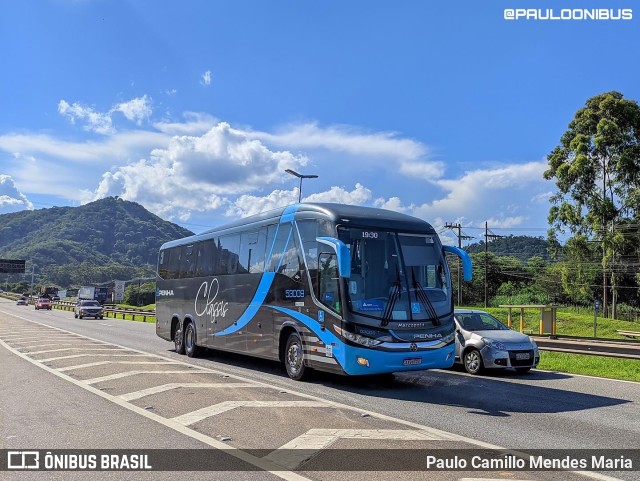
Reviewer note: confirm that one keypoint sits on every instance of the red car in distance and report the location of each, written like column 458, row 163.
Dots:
column 43, row 303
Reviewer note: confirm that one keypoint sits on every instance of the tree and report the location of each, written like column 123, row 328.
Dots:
column 596, row 168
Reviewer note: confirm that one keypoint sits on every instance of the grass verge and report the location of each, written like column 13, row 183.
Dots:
column 612, row 368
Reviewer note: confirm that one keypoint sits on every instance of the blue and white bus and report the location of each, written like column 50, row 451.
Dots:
column 339, row 288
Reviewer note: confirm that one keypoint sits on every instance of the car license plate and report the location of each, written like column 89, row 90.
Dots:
column 412, row 361
column 521, row 356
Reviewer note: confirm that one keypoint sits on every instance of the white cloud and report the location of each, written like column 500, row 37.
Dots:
column 135, row 110
column 347, row 139
column 206, row 78
column 487, row 193
column 428, row 171
column 97, row 122
column 194, row 123
column 360, row 195
column 199, row 173
column 246, row 205
column 393, row 203
column 506, row 222
column 542, row 198
column 11, row 199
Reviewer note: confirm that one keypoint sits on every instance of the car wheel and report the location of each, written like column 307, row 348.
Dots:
column 75, row 314
column 190, row 340
column 178, row 340
column 522, row 370
column 80, row 315
column 473, row 361
column 294, row 358
column 101, row 317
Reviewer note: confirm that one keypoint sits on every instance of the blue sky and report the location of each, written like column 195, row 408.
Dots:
column 194, row 109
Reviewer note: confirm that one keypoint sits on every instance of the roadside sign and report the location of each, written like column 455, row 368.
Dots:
column 118, row 291
column 12, row 266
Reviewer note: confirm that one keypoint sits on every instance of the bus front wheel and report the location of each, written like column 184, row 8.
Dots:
column 294, row 358
column 190, row 340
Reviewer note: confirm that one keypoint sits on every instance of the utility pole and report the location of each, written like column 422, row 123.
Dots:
column 461, row 237
column 487, row 236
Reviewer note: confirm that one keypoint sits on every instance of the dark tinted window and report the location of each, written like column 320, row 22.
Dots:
column 229, row 254
column 252, row 251
column 206, row 258
column 281, row 238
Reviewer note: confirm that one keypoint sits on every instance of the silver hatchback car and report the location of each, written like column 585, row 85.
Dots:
column 482, row 341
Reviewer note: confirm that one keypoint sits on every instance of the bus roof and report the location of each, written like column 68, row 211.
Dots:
column 367, row 217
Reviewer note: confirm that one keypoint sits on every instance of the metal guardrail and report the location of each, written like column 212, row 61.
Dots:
column 112, row 311
column 618, row 348
column 631, row 334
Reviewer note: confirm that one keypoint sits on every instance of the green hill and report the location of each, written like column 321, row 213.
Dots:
column 107, row 239
column 521, row 247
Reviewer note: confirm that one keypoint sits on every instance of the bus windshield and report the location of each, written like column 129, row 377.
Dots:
column 396, row 276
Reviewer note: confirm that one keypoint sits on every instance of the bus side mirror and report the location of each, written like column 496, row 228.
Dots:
column 342, row 252
column 464, row 257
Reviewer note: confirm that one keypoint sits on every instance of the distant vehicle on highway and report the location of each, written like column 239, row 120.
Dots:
column 43, row 303
column 88, row 309
column 21, row 302
column 483, row 342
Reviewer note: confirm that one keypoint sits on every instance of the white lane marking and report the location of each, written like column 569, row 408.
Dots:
column 73, row 356
column 305, row 446
column 134, row 373
column 263, row 464
column 102, row 363
column 204, row 413
column 12, row 332
column 77, row 348
column 107, row 325
column 45, row 338
column 80, row 366
column 446, row 435
column 177, row 385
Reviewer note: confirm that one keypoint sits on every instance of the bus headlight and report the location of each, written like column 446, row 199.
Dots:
column 357, row 338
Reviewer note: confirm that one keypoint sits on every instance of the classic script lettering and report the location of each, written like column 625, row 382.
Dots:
column 206, row 303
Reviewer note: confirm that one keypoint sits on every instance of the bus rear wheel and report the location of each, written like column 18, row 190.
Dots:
column 178, row 340
column 294, row 358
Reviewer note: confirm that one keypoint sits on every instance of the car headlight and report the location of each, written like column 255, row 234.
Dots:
column 493, row 344
column 449, row 337
column 533, row 343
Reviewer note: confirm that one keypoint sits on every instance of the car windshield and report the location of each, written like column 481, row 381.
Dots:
column 479, row 321
column 91, row 303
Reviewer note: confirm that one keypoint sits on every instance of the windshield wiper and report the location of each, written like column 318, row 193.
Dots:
column 394, row 294
column 422, row 296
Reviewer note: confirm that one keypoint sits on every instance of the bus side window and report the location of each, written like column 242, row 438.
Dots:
column 328, row 281
column 173, row 264
column 292, row 265
column 163, row 262
column 207, row 258
column 252, row 246
column 188, row 264
column 279, row 245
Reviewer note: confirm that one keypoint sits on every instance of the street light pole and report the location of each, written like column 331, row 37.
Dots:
column 300, row 176
column 33, row 269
